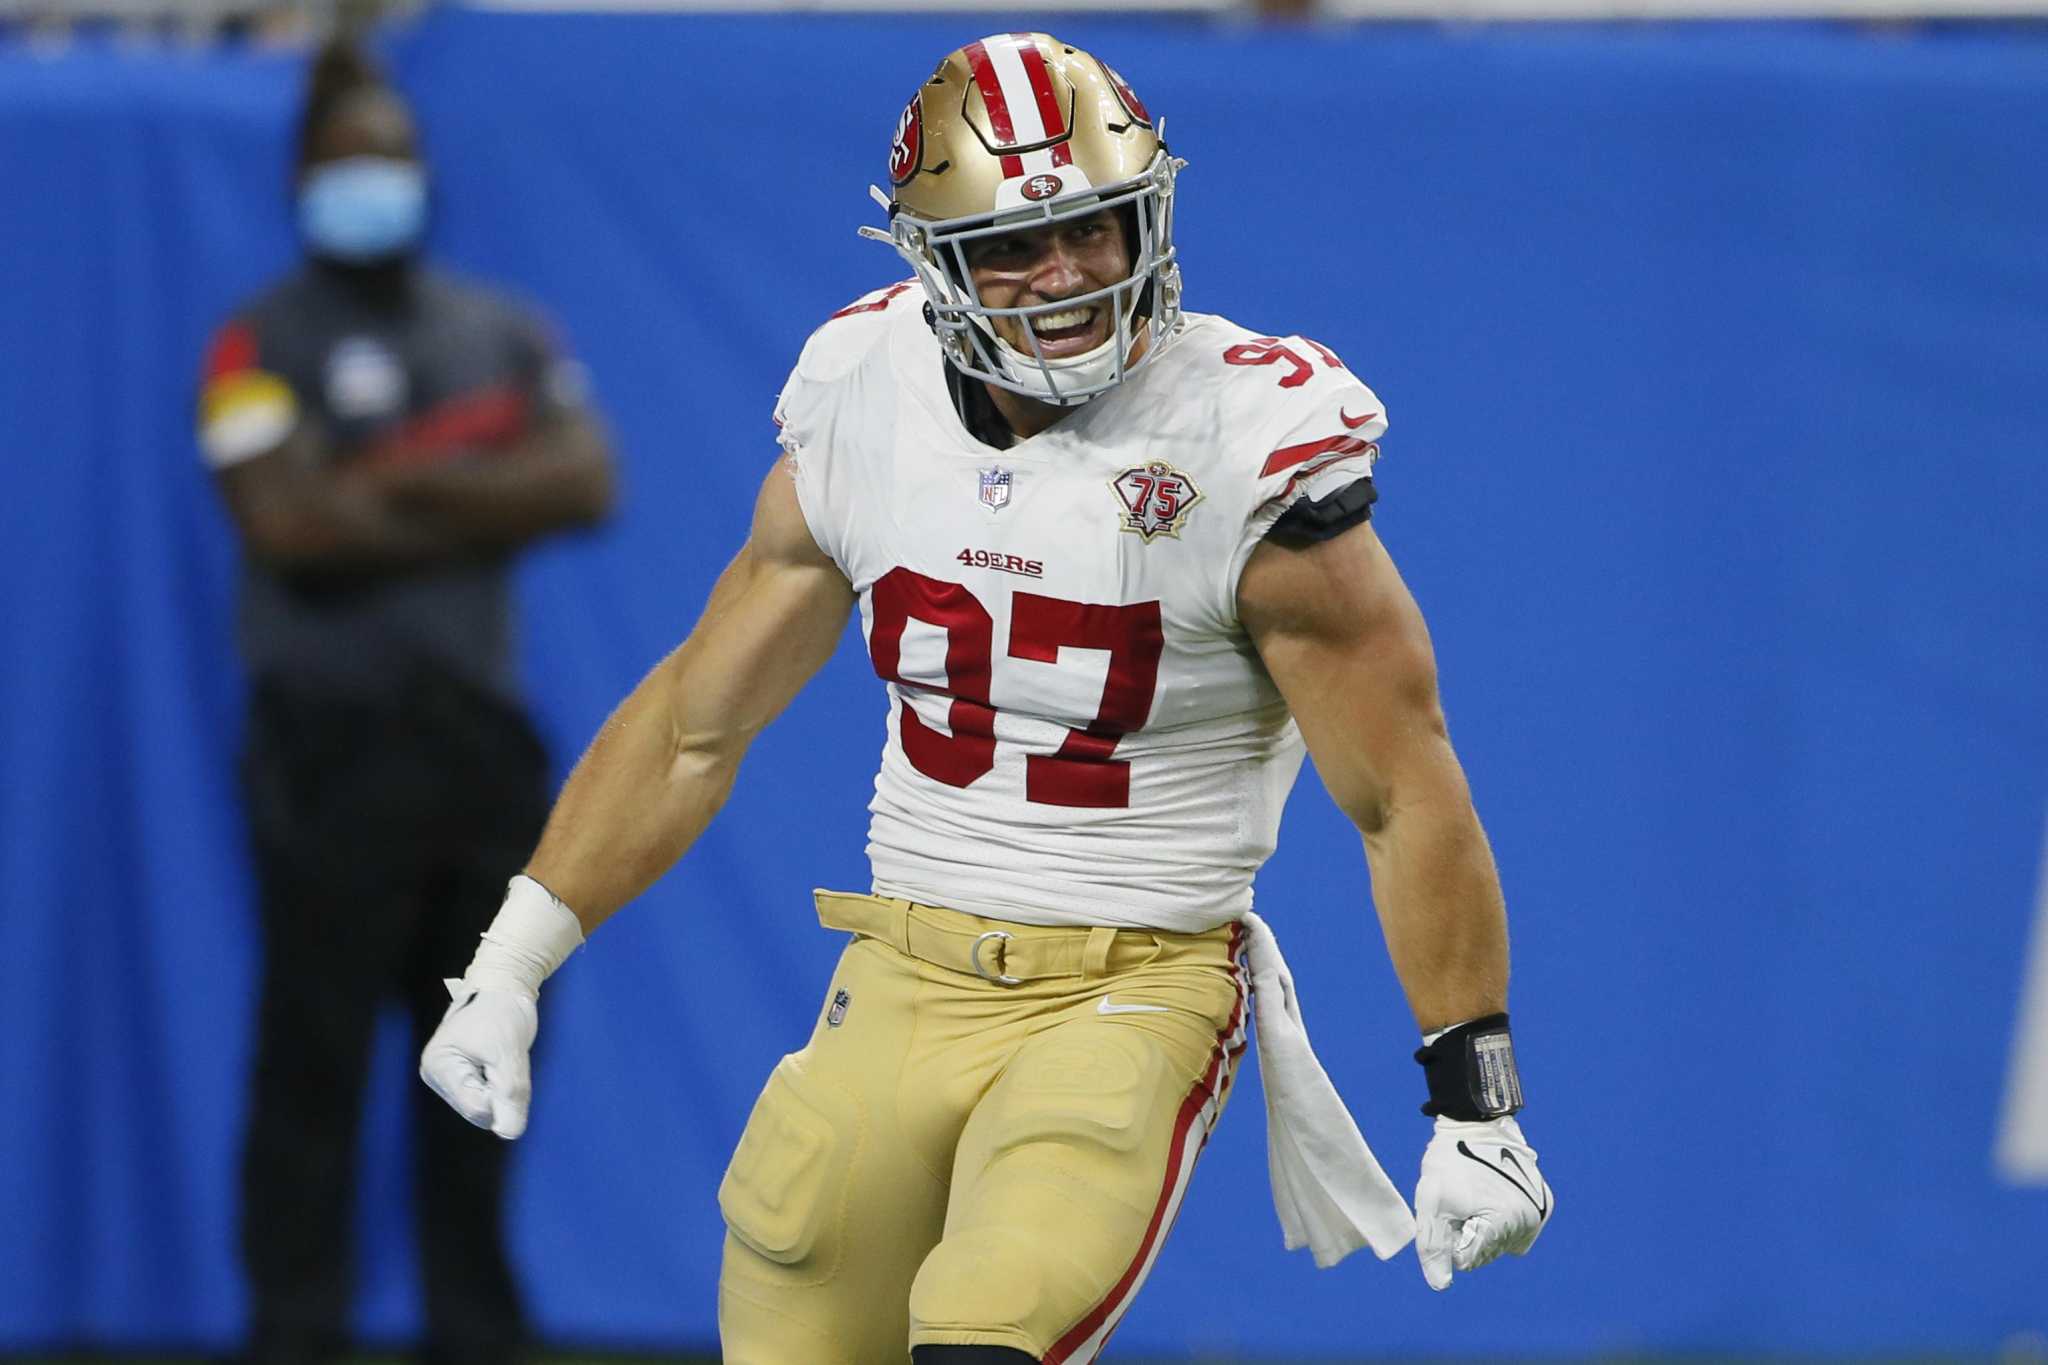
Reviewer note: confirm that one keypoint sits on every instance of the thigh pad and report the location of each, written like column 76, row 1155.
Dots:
column 785, row 1193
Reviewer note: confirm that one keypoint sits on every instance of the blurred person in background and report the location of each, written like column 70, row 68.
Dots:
column 1116, row 567
column 386, row 438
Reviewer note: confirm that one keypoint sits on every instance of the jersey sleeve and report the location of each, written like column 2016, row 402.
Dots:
column 794, row 432
column 809, row 409
column 1317, row 450
column 246, row 407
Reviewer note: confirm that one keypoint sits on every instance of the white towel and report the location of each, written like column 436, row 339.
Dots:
column 1330, row 1193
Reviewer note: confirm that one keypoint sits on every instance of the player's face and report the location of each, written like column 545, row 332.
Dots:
column 1042, row 265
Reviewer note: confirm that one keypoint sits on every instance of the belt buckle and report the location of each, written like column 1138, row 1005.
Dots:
column 974, row 960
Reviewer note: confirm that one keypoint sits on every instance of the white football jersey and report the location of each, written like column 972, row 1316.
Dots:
column 1079, row 730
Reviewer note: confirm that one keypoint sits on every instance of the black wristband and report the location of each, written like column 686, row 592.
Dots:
column 1471, row 1071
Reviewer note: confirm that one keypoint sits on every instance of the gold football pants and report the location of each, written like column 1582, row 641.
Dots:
column 984, row 1142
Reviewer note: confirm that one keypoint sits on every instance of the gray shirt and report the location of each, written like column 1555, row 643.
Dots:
column 434, row 365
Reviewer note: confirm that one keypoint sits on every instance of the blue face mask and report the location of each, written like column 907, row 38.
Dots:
column 363, row 208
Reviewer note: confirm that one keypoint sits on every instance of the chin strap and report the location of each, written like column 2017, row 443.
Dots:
column 1087, row 370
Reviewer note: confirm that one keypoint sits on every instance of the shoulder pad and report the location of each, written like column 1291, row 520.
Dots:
column 846, row 336
column 1314, row 414
column 835, row 350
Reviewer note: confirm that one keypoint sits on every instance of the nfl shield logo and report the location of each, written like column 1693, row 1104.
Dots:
column 995, row 489
column 836, row 1016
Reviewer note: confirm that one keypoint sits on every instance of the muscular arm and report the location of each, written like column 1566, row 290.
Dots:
column 664, row 762
column 1346, row 644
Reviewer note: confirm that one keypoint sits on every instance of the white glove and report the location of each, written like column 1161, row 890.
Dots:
column 477, row 1058
column 1480, row 1194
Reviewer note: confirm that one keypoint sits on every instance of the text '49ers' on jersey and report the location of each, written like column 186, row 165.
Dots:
column 1079, row 729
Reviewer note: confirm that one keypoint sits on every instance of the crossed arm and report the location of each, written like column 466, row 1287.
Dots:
column 301, row 515
column 1347, row 647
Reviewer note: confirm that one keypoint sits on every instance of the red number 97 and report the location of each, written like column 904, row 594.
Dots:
column 1273, row 351
column 1083, row 772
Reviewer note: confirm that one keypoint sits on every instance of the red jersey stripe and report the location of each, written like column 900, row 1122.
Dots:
column 1286, row 457
column 1308, row 472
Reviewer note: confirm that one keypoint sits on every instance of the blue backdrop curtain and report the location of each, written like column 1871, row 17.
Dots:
column 1714, row 357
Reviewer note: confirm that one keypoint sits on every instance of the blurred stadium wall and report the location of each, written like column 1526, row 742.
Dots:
column 1715, row 360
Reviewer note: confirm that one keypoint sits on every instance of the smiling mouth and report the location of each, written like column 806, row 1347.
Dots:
column 1068, row 331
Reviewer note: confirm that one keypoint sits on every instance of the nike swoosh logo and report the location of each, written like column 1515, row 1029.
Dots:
column 1543, row 1207
column 1354, row 423
column 1103, row 1006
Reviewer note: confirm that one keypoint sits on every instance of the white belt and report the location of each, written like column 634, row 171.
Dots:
column 1330, row 1193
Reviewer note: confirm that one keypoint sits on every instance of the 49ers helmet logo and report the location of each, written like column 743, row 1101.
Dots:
column 1042, row 187
column 1156, row 499
column 908, row 149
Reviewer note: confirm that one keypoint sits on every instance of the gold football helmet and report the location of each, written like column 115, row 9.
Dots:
column 1020, row 130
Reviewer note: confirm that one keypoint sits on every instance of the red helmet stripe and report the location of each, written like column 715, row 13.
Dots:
column 1035, row 71
column 992, row 98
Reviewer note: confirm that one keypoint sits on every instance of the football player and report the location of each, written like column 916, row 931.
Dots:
column 1115, row 569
